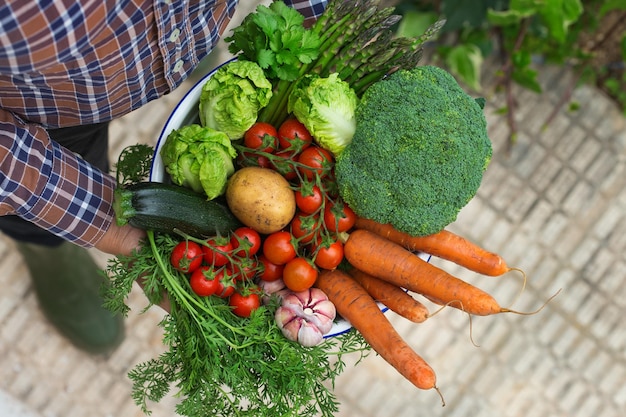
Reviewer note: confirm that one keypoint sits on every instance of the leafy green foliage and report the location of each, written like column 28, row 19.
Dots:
column 414, row 168
column 133, row 164
column 221, row 364
column 276, row 39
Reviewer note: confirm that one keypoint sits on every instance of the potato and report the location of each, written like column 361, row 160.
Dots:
column 261, row 199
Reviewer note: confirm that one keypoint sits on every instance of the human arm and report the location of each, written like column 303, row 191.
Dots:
column 50, row 186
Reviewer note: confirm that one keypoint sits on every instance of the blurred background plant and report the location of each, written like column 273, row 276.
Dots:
column 518, row 37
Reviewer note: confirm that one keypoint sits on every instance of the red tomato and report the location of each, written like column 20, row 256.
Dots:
column 339, row 218
column 217, row 251
column 227, row 284
column 278, row 248
column 329, row 257
column 299, row 274
column 186, row 256
column 247, row 239
column 244, row 305
column 308, row 199
column 204, row 281
column 294, row 136
column 270, row 271
column 284, row 165
column 305, row 227
column 246, row 159
column 315, row 161
column 242, row 269
column 262, row 136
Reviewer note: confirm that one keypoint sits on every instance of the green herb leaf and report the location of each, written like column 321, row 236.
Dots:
column 134, row 164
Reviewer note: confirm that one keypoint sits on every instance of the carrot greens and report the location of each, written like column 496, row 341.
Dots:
column 221, row 364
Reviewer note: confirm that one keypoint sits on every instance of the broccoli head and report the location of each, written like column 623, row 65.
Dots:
column 418, row 153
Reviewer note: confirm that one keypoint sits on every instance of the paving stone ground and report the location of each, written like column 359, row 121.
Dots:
column 555, row 206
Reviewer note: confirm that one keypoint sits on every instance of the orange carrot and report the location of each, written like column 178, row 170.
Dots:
column 392, row 296
column 355, row 305
column 391, row 262
column 444, row 245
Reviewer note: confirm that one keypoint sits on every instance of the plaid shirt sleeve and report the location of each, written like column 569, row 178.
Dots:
column 50, row 186
column 311, row 9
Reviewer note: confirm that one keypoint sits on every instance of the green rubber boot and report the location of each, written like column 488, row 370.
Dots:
column 67, row 282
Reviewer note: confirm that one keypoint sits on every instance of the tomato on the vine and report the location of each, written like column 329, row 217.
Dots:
column 309, row 198
column 247, row 159
column 305, row 227
column 204, row 281
column 261, row 136
column 283, row 164
column 269, row 270
column 186, row 256
column 227, row 284
column 329, row 257
column 243, row 269
column 339, row 218
column 244, row 305
column 278, row 247
column 216, row 251
column 299, row 274
column 293, row 135
column 315, row 160
column 247, row 239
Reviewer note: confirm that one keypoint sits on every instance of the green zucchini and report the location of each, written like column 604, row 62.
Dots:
column 167, row 208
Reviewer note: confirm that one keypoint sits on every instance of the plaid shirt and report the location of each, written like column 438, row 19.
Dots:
column 67, row 63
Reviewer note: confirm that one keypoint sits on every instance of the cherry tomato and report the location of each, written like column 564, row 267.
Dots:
column 215, row 253
column 270, row 271
column 227, row 284
column 305, row 227
column 246, row 159
column 204, row 281
column 278, row 248
column 316, row 161
column 186, row 256
column 283, row 164
column 339, row 218
column 299, row 274
column 329, row 257
column 243, row 269
column 244, row 305
column 294, row 136
column 262, row 136
column 309, row 199
column 247, row 239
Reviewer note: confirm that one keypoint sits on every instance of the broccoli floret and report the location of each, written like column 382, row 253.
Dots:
column 418, row 153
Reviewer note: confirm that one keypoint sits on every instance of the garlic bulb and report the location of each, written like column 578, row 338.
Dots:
column 305, row 316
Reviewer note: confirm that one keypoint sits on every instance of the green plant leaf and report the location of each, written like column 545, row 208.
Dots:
column 466, row 61
column 527, row 78
column 559, row 15
column 610, row 5
column 414, row 23
column 518, row 10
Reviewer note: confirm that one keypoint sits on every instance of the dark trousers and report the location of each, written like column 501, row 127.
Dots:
column 91, row 142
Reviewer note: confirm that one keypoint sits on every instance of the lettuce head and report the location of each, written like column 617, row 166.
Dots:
column 326, row 106
column 231, row 99
column 199, row 158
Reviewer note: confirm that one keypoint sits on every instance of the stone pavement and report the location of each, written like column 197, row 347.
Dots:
column 555, row 207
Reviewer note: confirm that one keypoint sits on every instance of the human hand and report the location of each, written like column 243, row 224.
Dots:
column 120, row 240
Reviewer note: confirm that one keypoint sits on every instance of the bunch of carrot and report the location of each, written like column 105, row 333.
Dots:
column 385, row 268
